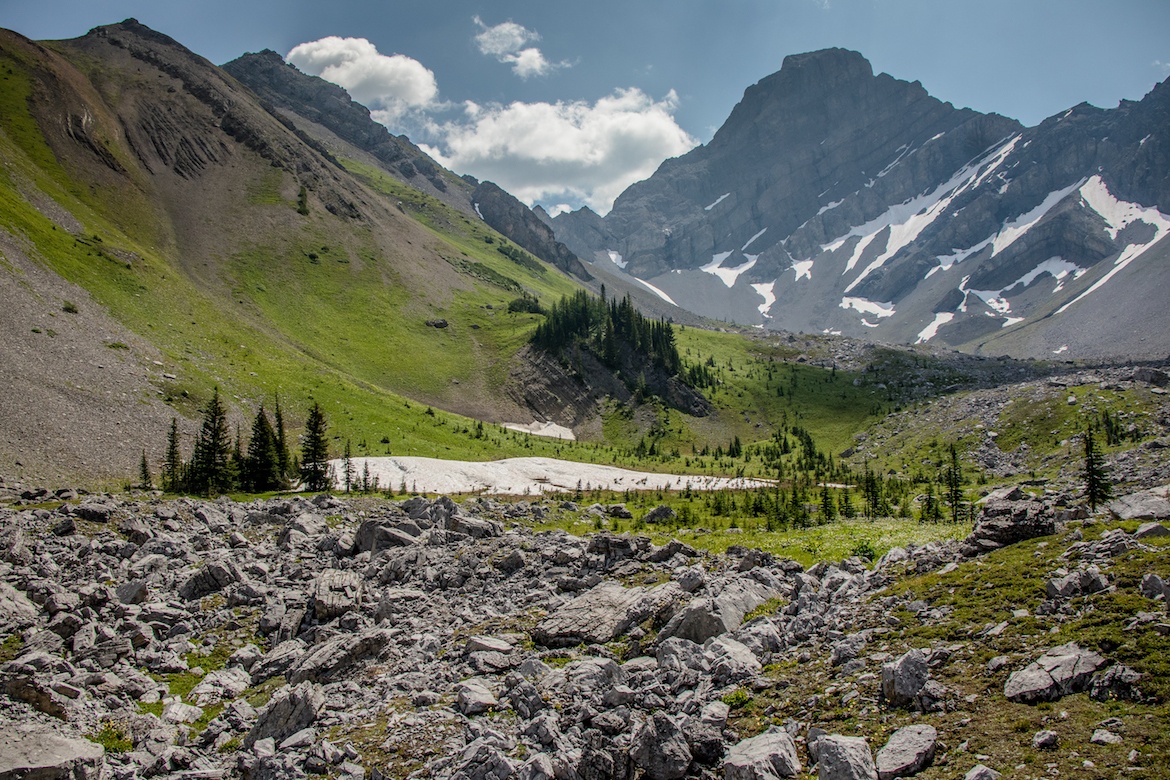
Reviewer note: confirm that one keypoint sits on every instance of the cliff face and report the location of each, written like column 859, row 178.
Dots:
column 836, row 200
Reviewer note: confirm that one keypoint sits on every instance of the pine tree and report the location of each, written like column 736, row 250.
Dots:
column 828, row 505
column 284, row 460
column 144, row 479
column 349, row 468
column 953, row 486
column 1097, row 487
column 315, row 471
column 209, row 472
column 262, row 470
column 172, row 476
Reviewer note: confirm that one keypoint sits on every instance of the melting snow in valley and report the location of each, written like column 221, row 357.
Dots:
column 879, row 310
column 550, row 429
column 616, row 259
column 728, row 275
column 524, row 476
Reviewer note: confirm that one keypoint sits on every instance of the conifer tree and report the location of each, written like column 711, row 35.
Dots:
column 284, row 460
column 953, row 486
column 315, row 471
column 144, row 479
column 1097, row 487
column 172, row 476
column 209, row 472
column 350, row 470
column 262, row 471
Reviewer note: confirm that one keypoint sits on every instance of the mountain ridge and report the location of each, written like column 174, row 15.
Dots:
column 885, row 191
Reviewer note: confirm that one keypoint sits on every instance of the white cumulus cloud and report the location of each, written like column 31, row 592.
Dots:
column 507, row 42
column 389, row 85
column 580, row 151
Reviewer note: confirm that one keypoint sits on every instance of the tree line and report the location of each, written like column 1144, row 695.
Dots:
column 220, row 464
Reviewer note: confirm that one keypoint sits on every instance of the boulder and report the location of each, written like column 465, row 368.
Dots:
column 767, row 756
column 730, row 661
column 1117, row 683
column 660, row 748
column 29, row 750
column 1153, row 504
column 604, row 613
column 336, row 592
column 16, row 611
column 909, row 750
column 1060, row 671
column 844, row 758
column 707, row 617
column 210, row 578
column 904, row 677
column 290, row 709
column 1009, row 520
column 1045, row 740
column 474, row 697
column 1151, row 530
column 325, row 662
column 981, row 772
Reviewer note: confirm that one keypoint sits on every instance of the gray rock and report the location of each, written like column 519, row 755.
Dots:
column 604, row 613
column 1117, row 683
column 1104, row 737
column 220, row 685
column 730, row 661
column 328, row 660
column 1151, row 531
column 214, row 576
column 290, row 709
column 704, row 618
column 1151, row 504
column 1060, row 671
column 1045, row 740
column 766, row 756
column 29, row 750
column 903, row 678
column 16, row 611
column 660, row 748
column 909, row 750
column 474, row 697
column 336, row 592
column 981, row 772
column 844, row 758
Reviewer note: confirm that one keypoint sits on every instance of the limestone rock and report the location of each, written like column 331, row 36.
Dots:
column 604, row 613
column 909, row 750
column 30, row 750
column 766, row 756
column 903, row 678
column 660, row 748
column 1151, row 504
column 844, row 758
column 1060, row 671
column 336, row 592
column 290, row 709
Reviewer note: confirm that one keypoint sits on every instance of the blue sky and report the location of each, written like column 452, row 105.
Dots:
column 567, row 103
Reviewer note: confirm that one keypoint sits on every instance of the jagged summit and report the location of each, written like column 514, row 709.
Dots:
column 836, row 200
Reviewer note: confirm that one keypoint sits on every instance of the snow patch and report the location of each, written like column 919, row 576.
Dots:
column 931, row 330
column 527, row 476
column 753, row 238
column 803, row 269
column 728, row 275
column 550, row 429
column 907, row 220
column 879, row 310
column 767, row 292
column 477, row 211
column 830, row 206
column 616, row 259
column 1119, row 214
column 718, row 200
column 1022, row 224
column 655, row 290
column 1062, row 349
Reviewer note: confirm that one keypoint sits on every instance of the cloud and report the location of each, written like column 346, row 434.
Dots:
column 1164, row 67
column 506, row 42
column 389, row 85
column 579, row 151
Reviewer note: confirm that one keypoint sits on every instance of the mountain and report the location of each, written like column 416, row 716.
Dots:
column 164, row 232
column 326, row 112
column 835, row 200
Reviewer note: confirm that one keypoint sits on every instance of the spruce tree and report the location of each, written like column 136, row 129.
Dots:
column 1097, row 487
column 350, row 470
column 144, row 479
column 262, row 470
column 172, row 476
column 209, row 472
column 315, row 452
column 284, row 460
column 953, row 486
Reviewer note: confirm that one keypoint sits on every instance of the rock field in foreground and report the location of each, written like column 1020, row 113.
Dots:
column 307, row 637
